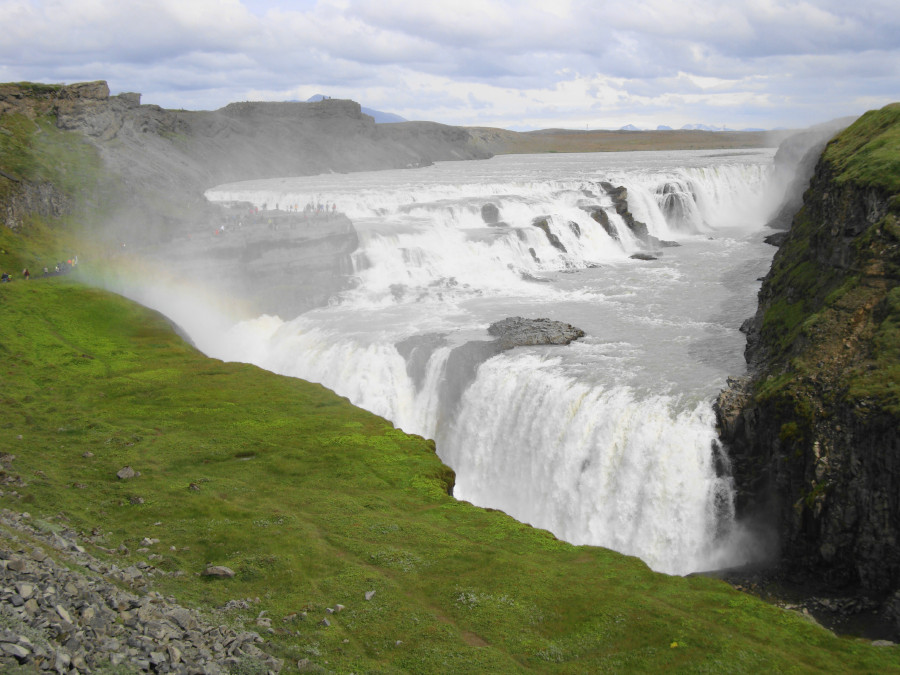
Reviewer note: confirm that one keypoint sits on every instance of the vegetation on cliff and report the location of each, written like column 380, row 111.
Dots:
column 868, row 154
column 829, row 301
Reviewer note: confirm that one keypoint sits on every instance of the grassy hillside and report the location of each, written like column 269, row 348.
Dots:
column 314, row 502
column 869, row 153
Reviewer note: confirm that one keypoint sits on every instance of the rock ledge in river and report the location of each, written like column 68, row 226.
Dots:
column 519, row 332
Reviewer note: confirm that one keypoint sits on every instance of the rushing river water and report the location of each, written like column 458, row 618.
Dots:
column 607, row 441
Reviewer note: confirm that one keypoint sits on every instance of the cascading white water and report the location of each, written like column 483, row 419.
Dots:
column 634, row 473
column 607, row 441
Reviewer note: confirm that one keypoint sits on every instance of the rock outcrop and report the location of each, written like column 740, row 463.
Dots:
column 24, row 199
column 165, row 159
column 814, row 432
column 519, row 332
column 619, row 197
column 490, row 214
column 544, row 226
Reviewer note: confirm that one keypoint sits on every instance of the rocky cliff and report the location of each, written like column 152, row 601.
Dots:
column 164, row 160
column 814, row 431
column 145, row 170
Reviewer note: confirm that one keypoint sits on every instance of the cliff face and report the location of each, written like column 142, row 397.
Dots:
column 149, row 167
column 165, row 159
column 814, row 432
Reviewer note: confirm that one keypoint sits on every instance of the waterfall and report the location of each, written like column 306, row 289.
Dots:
column 608, row 441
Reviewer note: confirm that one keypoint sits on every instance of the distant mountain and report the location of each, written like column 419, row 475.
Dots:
column 703, row 127
column 379, row 116
column 663, row 127
column 629, row 127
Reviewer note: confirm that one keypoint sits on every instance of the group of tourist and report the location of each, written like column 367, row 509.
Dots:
column 60, row 268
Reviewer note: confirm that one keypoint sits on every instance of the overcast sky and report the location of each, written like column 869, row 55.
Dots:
column 513, row 64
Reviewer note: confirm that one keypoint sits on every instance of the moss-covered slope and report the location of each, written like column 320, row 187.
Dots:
column 314, row 502
column 816, row 436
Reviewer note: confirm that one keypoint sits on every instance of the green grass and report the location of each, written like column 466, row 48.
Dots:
column 314, row 502
column 36, row 247
column 867, row 152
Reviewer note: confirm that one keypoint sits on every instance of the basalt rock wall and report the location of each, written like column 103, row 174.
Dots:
column 814, row 431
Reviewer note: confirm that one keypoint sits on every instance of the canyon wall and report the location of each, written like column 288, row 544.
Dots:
column 814, row 430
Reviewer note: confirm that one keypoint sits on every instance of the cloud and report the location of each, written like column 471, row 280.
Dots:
column 576, row 62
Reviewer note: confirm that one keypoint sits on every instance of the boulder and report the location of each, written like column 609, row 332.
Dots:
column 544, row 225
column 125, row 473
column 490, row 214
column 218, row 571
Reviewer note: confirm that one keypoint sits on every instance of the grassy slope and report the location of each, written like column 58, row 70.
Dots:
column 314, row 502
column 869, row 151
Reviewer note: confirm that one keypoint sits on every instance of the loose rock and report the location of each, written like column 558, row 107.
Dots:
column 125, row 473
column 219, row 571
column 95, row 624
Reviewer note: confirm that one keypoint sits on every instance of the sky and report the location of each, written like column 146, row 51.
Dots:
column 525, row 64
